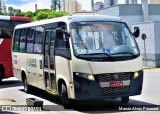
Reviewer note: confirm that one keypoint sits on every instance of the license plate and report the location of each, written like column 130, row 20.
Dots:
column 116, row 84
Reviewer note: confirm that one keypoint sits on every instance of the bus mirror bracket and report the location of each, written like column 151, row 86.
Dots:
column 136, row 32
column 63, row 31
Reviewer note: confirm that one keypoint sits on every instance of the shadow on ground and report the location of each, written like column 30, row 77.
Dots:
column 96, row 106
column 7, row 112
column 10, row 83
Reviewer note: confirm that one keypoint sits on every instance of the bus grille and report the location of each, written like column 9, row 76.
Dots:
column 111, row 77
column 115, row 90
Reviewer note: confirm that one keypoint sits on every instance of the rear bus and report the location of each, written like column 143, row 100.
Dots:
column 7, row 25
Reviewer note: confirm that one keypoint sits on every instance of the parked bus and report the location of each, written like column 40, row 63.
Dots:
column 7, row 25
column 79, row 57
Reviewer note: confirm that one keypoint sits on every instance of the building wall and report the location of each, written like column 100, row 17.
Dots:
column 154, row 18
column 1, row 3
column 128, row 14
column 108, row 3
column 131, row 1
column 127, row 9
column 114, row 11
column 132, row 19
column 92, row 5
column 62, row 4
column 72, row 6
column 154, row 1
column 149, row 29
column 98, row 5
column 132, row 16
column 157, row 42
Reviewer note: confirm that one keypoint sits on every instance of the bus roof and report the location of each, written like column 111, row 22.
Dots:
column 70, row 19
column 15, row 18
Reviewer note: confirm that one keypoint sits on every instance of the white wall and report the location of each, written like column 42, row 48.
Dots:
column 132, row 19
column 148, row 29
column 154, row 18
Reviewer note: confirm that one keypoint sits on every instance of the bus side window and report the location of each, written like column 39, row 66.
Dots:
column 30, row 39
column 52, row 45
column 62, row 47
column 22, row 40
column 47, row 34
column 16, row 41
column 38, row 40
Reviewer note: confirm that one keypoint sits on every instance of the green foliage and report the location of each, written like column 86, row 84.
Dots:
column 40, row 14
column 1, row 13
column 47, row 14
column 27, row 14
column 10, row 11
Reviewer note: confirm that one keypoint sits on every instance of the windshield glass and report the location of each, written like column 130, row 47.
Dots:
column 99, row 38
column 8, row 26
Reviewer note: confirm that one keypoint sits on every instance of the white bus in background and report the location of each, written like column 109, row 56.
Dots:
column 79, row 58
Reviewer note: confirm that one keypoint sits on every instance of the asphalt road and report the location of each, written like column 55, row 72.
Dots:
column 11, row 93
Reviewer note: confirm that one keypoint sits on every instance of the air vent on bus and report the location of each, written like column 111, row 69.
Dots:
column 115, row 90
column 110, row 77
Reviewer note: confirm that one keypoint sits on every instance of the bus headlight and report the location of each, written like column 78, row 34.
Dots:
column 136, row 74
column 87, row 76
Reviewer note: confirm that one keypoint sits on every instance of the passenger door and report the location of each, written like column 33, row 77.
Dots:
column 49, row 60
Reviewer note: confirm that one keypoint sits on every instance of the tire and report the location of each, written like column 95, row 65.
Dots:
column 125, row 100
column 1, row 76
column 64, row 97
column 27, row 88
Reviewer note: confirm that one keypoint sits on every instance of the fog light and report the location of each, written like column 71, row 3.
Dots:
column 136, row 74
column 90, row 77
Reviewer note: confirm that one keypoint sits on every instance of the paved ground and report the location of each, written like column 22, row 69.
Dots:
column 11, row 93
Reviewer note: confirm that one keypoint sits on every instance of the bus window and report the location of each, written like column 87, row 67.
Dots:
column 4, row 33
column 38, row 40
column 30, row 39
column 62, row 47
column 6, row 24
column 22, row 40
column 46, row 48
column 52, row 43
column 16, row 40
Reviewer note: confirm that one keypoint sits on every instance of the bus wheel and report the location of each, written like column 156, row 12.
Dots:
column 64, row 97
column 1, row 76
column 26, row 86
column 125, row 99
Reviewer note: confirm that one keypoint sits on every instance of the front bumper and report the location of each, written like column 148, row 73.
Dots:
column 88, row 90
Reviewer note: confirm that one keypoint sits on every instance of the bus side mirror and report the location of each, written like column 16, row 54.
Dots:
column 136, row 32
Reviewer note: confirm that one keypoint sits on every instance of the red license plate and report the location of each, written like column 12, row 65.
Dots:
column 116, row 84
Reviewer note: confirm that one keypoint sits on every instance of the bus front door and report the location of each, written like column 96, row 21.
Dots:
column 49, row 60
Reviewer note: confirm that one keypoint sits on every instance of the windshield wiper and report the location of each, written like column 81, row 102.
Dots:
column 124, row 53
column 98, row 54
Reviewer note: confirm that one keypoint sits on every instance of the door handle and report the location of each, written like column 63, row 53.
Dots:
column 40, row 64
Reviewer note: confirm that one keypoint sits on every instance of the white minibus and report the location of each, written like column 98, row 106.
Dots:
column 79, row 57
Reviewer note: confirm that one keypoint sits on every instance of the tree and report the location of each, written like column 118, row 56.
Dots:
column 10, row 11
column 27, row 14
column 38, row 15
column 17, row 12
column 41, row 15
column 1, row 11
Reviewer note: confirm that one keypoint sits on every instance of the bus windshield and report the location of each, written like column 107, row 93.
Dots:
column 102, row 38
column 9, row 25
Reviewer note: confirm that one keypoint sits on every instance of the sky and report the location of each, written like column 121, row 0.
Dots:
column 29, row 5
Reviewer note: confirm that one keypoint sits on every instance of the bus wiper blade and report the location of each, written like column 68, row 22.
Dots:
column 99, row 53
column 124, row 53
